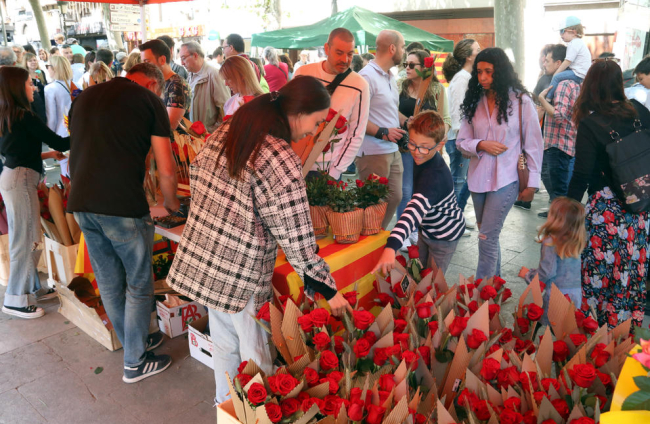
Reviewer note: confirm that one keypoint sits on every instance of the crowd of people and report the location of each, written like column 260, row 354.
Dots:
column 248, row 193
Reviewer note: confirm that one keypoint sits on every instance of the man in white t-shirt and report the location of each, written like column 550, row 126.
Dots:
column 350, row 96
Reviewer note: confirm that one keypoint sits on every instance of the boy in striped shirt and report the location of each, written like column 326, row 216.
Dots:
column 433, row 208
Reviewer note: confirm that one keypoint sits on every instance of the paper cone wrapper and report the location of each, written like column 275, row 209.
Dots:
column 480, row 320
column 346, row 226
column 308, row 415
column 385, row 319
column 75, row 231
column 290, row 330
column 343, row 416
column 327, row 420
column 252, row 369
column 51, row 231
column 544, row 356
column 319, row 219
column 622, row 330
column 319, row 391
column 444, row 417
column 399, row 413
column 456, row 372
column 576, row 413
column 428, row 404
column 261, row 417
column 277, row 336
column 372, row 218
column 548, row 412
column 236, row 401
column 532, row 294
column 58, row 215
column 296, row 369
column 558, row 308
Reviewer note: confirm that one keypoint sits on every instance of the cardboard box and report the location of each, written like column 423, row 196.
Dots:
column 226, row 413
column 61, row 261
column 201, row 346
column 175, row 321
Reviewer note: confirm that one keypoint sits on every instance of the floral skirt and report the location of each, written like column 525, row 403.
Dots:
column 614, row 263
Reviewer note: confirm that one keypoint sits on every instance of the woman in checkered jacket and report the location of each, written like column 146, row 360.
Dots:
column 248, row 197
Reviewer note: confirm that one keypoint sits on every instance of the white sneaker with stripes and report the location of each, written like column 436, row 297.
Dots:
column 151, row 365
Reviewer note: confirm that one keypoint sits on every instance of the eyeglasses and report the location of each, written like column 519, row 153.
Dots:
column 421, row 150
column 410, row 65
column 606, row 59
column 562, row 31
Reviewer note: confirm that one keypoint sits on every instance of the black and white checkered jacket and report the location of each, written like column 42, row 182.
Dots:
column 229, row 245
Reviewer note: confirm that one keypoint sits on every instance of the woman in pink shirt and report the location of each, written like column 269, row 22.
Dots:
column 490, row 134
column 277, row 73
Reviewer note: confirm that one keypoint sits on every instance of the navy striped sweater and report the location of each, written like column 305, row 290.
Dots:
column 433, row 207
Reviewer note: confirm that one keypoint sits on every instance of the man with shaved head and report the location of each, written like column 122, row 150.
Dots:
column 379, row 153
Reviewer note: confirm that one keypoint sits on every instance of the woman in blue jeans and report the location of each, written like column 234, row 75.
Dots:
column 21, row 134
column 490, row 133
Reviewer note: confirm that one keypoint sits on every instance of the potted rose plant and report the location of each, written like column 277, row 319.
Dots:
column 370, row 197
column 344, row 216
column 317, row 195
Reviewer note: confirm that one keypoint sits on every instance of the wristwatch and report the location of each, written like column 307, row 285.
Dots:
column 381, row 132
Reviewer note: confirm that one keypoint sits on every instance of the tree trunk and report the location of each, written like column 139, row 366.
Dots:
column 39, row 17
column 335, row 7
column 114, row 37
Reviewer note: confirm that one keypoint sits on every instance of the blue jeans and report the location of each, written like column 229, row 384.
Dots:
column 559, row 77
column 19, row 191
column 491, row 211
column 458, row 166
column 407, row 182
column 120, row 251
column 557, row 169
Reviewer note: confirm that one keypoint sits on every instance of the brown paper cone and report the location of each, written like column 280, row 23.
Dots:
column 319, row 219
column 58, row 215
column 276, row 334
column 346, row 226
column 319, row 391
column 372, row 218
column 399, row 414
column 291, row 332
column 75, row 231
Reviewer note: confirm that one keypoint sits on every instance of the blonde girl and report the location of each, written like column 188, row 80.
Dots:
column 99, row 73
column 58, row 94
column 238, row 74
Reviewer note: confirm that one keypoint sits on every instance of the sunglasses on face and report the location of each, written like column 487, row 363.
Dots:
column 410, row 65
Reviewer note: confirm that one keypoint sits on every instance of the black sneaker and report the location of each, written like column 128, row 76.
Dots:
column 151, row 365
column 46, row 295
column 543, row 214
column 522, row 205
column 28, row 312
column 154, row 340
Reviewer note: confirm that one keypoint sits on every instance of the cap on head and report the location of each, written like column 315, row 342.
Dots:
column 120, row 55
column 569, row 21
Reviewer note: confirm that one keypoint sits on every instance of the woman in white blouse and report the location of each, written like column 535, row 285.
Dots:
column 238, row 74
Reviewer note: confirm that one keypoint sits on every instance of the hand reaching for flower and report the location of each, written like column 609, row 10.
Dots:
column 386, row 262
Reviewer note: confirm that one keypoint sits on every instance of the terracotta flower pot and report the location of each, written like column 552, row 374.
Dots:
column 319, row 219
column 346, row 226
column 372, row 218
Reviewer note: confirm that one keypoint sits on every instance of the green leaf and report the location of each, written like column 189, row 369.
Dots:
column 99, row 370
column 365, row 365
column 637, row 401
column 642, row 382
column 641, row 333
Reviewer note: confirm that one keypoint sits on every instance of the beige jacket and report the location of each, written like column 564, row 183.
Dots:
column 209, row 94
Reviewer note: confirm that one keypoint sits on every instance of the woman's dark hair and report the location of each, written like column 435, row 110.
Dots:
column 285, row 58
column 457, row 59
column 13, row 98
column 357, row 63
column 505, row 79
column 264, row 116
column 259, row 64
column 602, row 92
column 430, row 95
column 90, row 57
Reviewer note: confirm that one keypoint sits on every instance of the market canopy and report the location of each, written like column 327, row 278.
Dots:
column 364, row 24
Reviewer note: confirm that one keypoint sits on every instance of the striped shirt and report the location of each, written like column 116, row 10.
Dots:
column 433, row 208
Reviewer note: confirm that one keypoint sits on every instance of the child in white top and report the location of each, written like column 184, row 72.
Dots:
column 578, row 58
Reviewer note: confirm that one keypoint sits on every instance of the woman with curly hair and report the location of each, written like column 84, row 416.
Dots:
column 493, row 133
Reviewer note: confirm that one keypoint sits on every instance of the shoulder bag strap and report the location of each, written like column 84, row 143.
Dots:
column 64, row 86
column 332, row 86
column 521, row 129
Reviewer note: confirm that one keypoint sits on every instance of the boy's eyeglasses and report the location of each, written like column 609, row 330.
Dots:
column 606, row 59
column 410, row 65
column 421, row 150
column 562, row 31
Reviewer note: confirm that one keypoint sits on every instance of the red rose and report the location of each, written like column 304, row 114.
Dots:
column 560, row 351
column 548, row 382
column 307, row 404
column 498, row 282
column 327, row 149
column 433, row 327
column 420, row 419
column 338, row 344
column 481, row 410
column 321, row 341
column 512, row 403
column 380, row 356
column 549, row 421
column 600, row 356
column 241, row 367
column 320, row 317
column 494, row 310
column 524, row 346
column 385, row 299
column 507, row 294
column 289, row 407
column 580, row 318
column 401, row 339
column 355, row 395
column 534, row 312
column 490, row 369
column 506, row 335
column 328, row 360
column 332, row 404
column 274, row 412
column 375, row 414
column 425, row 271
column 399, row 325
column 333, row 384
column 457, row 326
column 523, row 324
column 286, row 383
column 383, row 180
column 351, row 297
column 538, row 396
column 604, row 378
column 425, row 354
column 370, row 336
column 488, row 293
column 387, row 382
column 330, row 115
column 508, row 416
column 590, row 325
column 273, row 384
column 401, row 259
column 424, row 310
column 475, row 339
column 508, row 377
column 257, row 394
column 302, row 396
column 243, row 379
column 340, row 124
column 306, row 323
column 529, row 378
column 360, row 183
column 561, row 407
column 330, row 182
column 472, row 306
column 311, row 375
column 198, row 127
column 578, row 339
column 355, row 413
column 428, row 62
column 468, row 288
column 414, row 252
column 362, row 319
column 265, row 313
column 362, row 348
column 411, row 359
column 583, row 375
column 583, row 420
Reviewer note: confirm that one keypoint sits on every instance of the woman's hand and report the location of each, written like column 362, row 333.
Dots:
column 491, row 147
column 527, row 195
column 339, row 305
column 542, row 95
column 386, row 262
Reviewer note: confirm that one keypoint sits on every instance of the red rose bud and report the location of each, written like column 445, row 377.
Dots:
column 548, row 382
column 380, row 356
column 330, row 182
column 508, row 416
column 433, row 327
column 425, row 271
column 561, row 407
column 333, row 385
column 265, row 313
column 401, row 339
column 590, row 325
column 498, row 282
column 538, row 396
column 507, row 294
column 411, row 359
column 311, row 376
column 307, row 404
column 604, row 378
column 274, row 412
column 458, row 325
column 534, row 312
column 385, row 299
column 424, row 310
column 338, row 344
column 362, row 319
column 241, row 367
column 327, row 149
column 481, row 410
column 362, row 348
column 401, row 259
column 583, row 420
column 506, row 335
column 375, row 414
column 560, row 351
column 330, row 115
column 529, row 377
column 198, row 128
column 360, row 183
column 399, row 326
column 321, row 341
column 320, row 317
column 468, row 288
column 583, row 375
column 371, row 337
column 420, row 419
column 383, row 180
column 472, row 306
column 578, row 339
column 341, row 124
column 355, row 412
column 425, row 354
column 428, row 62
column 328, row 360
column 508, row 377
column 351, row 297
column 289, row 407
column 256, row 394
column 580, row 318
column 523, row 325
column 490, row 369
column 243, row 379
column 418, row 296
column 306, row 323
column 512, row 403
column 494, row 310
column 475, row 339
column 387, row 382
column 488, row 293
column 414, row 252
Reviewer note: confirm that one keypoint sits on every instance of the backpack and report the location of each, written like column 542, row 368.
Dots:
column 629, row 160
